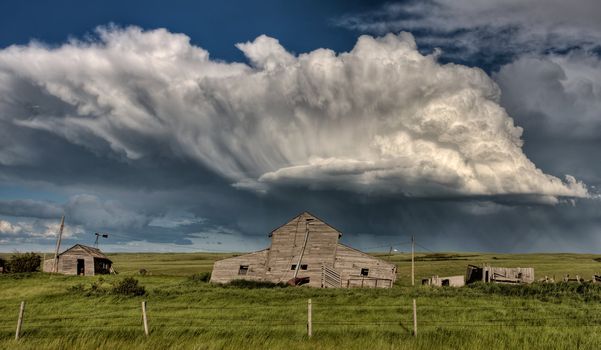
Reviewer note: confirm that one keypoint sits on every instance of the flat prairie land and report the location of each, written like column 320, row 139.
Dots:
column 70, row 312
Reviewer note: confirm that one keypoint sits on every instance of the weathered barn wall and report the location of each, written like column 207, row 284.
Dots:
column 350, row 262
column 67, row 264
column 228, row 269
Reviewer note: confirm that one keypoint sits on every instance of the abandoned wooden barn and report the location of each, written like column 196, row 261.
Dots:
column 80, row 260
column 499, row 274
column 450, row 281
column 306, row 250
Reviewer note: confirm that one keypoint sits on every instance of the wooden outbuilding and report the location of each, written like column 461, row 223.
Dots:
column 499, row 274
column 450, row 281
column 306, row 250
column 2, row 265
column 80, row 260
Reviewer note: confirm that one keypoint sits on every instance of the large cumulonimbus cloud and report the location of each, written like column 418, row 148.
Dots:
column 381, row 118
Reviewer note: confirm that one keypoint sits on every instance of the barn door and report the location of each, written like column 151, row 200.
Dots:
column 81, row 267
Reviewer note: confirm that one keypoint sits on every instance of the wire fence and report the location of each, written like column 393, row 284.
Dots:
column 298, row 316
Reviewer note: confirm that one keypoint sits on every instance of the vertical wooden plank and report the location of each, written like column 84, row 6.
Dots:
column 20, row 321
column 144, row 318
column 414, row 319
column 309, row 319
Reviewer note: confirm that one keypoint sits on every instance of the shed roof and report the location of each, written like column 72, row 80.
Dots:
column 95, row 252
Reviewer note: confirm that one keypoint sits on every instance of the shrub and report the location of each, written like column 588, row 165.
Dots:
column 97, row 288
column 143, row 272
column 26, row 262
column 255, row 284
column 201, row 277
column 128, row 286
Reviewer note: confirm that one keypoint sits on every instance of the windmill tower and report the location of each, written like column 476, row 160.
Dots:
column 58, row 245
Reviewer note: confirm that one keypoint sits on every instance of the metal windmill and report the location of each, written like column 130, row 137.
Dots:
column 98, row 235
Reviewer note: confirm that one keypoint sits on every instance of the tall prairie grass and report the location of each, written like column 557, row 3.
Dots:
column 187, row 313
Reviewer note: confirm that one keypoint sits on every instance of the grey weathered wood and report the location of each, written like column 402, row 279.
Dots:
column 451, row 281
column 501, row 274
column 66, row 263
column 20, row 320
column 309, row 319
column 145, row 318
column 414, row 319
column 306, row 240
column 330, row 278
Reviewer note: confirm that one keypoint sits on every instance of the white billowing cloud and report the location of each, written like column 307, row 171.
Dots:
column 487, row 26
column 563, row 92
column 8, row 228
column 29, row 230
column 381, row 118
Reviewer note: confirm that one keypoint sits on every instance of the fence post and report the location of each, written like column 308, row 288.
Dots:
column 144, row 318
column 309, row 319
column 414, row 319
column 20, row 320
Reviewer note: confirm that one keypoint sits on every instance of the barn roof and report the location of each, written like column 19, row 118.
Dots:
column 366, row 255
column 309, row 215
column 95, row 252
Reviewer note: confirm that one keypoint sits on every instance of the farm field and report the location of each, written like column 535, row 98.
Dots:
column 186, row 313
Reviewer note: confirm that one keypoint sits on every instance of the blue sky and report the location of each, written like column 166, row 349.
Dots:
column 202, row 126
column 300, row 25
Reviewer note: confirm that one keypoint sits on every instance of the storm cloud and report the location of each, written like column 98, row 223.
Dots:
column 380, row 119
column 491, row 31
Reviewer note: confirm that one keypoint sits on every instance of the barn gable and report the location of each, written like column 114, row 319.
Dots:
column 300, row 247
column 306, row 216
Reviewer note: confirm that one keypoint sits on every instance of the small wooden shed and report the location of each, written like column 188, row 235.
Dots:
column 80, row 260
column 306, row 250
column 499, row 274
column 450, row 281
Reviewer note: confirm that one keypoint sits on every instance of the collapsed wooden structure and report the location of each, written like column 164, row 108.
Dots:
column 450, row 281
column 80, row 260
column 306, row 250
column 499, row 274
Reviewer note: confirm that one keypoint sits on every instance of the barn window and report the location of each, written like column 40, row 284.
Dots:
column 364, row 272
column 303, row 266
column 243, row 270
column 293, row 267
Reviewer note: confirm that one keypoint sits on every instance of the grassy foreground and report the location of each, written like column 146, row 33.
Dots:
column 188, row 314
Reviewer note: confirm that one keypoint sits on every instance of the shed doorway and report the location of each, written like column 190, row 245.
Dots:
column 81, row 267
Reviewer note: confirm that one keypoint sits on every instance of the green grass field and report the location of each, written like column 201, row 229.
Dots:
column 188, row 314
